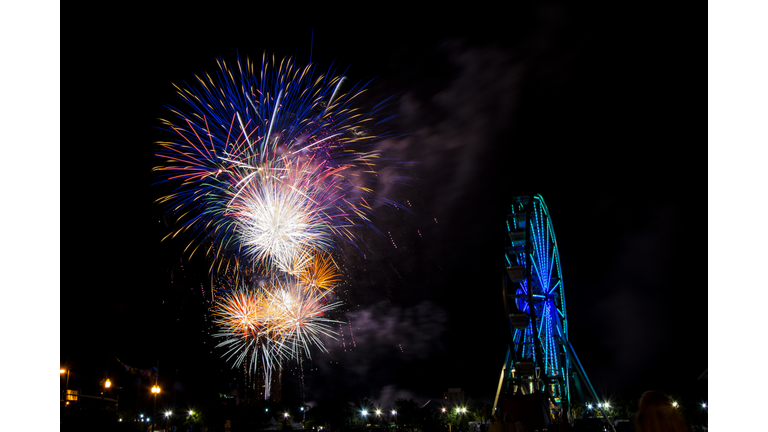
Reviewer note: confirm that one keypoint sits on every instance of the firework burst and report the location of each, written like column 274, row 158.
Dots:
column 275, row 322
column 267, row 162
column 320, row 274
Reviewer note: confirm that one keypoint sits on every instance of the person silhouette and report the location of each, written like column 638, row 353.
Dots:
column 496, row 425
column 656, row 413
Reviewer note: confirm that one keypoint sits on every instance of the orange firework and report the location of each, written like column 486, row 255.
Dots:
column 320, row 275
column 276, row 321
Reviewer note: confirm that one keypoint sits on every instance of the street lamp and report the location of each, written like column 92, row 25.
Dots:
column 167, row 418
column 107, row 384
column 155, row 391
column 66, row 386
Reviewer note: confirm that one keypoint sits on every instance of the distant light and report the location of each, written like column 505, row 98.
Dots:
column 286, row 415
column 674, row 404
column 108, row 383
column 395, row 412
column 589, row 406
column 365, row 413
column 141, row 415
column 443, row 409
column 606, row 405
column 168, row 413
column 703, row 405
column 302, row 408
column 61, row 371
column 378, row 412
column 191, row 413
column 119, row 420
column 266, row 409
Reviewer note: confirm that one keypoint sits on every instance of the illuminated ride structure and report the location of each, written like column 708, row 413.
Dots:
column 540, row 359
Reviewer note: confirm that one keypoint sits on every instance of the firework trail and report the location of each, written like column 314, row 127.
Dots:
column 267, row 163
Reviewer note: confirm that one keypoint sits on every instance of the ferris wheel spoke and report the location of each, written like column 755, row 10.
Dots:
column 536, row 269
column 552, row 260
column 554, row 287
column 541, row 325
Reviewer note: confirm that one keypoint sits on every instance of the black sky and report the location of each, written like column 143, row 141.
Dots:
column 590, row 107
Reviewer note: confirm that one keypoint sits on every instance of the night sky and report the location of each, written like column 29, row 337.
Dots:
column 593, row 108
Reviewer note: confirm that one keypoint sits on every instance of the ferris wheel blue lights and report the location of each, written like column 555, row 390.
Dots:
column 538, row 294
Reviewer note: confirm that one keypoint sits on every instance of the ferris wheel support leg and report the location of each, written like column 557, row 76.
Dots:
column 501, row 380
column 572, row 352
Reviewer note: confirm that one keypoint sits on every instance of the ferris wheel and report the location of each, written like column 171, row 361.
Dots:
column 540, row 358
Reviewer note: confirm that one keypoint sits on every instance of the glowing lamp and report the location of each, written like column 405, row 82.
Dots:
column 61, row 371
column 365, row 413
column 107, row 383
column 674, row 404
column 155, row 389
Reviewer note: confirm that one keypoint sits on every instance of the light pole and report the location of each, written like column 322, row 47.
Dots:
column 394, row 413
column 66, row 386
column 191, row 419
column 107, row 384
column 155, row 391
